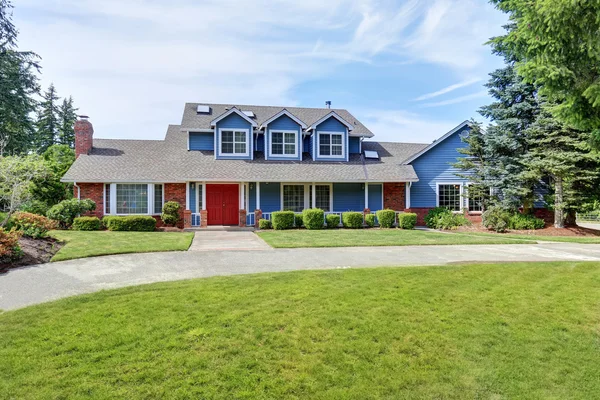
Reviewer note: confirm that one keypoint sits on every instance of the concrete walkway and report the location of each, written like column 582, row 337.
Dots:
column 227, row 240
column 40, row 283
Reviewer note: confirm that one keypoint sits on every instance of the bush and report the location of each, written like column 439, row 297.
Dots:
column 407, row 220
column 370, row 220
column 170, row 213
column 496, row 218
column 67, row 210
column 298, row 220
column 86, row 224
column 137, row 223
column 333, row 221
column 9, row 246
column 525, row 222
column 433, row 216
column 313, row 218
column 32, row 225
column 386, row 218
column 352, row 219
column 264, row 224
column 283, row 219
column 35, row 207
column 442, row 218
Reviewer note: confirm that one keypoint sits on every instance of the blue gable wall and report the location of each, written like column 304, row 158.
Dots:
column 354, row 145
column 202, row 141
column 375, row 197
column 284, row 123
column 348, row 197
column 270, row 197
column 433, row 167
column 234, row 121
column 260, row 143
column 330, row 125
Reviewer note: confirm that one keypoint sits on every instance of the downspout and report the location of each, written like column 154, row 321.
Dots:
column 78, row 190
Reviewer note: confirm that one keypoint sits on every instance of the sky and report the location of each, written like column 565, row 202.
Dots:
column 410, row 70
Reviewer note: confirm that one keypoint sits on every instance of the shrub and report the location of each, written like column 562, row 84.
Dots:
column 452, row 221
column 86, row 224
column 9, row 246
column 298, row 220
column 407, row 220
column 313, row 218
column 138, row 223
column 170, row 213
column 386, row 218
column 523, row 222
column 433, row 216
column 67, row 210
column 370, row 220
column 352, row 219
column 32, row 225
column 283, row 219
column 496, row 218
column 333, row 221
column 35, row 207
column 264, row 224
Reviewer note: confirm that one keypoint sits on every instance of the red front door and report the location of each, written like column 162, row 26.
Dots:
column 222, row 204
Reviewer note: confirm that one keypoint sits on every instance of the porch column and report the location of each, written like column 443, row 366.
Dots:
column 366, row 195
column 258, row 195
column 204, row 196
column 407, row 194
column 242, row 196
column 187, row 196
column 314, row 195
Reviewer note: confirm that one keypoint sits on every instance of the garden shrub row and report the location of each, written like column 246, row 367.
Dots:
column 500, row 219
column 442, row 218
column 138, row 223
column 283, row 220
column 66, row 211
column 352, row 219
column 86, row 224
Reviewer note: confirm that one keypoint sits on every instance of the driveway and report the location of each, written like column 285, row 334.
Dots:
column 40, row 283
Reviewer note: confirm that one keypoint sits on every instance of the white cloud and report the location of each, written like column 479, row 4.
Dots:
column 448, row 89
column 457, row 100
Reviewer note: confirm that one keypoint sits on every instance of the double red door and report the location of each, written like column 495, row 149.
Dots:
column 222, row 204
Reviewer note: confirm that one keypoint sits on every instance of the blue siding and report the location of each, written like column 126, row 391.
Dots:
column 306, row 144
column 375, row 197
column 310, row 146
column 433, row 167
column 270, row 197
column 234, row 121
column 284, row 123
column 202, row 141
column 252, row 198
column 348, row 197
column 192, row 196
column 354, row 145
column 260, row 143
column 331, row 125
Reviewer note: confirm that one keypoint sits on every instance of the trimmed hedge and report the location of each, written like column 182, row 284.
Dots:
column 352, row 219
column 298, row 220
column 333, row 221
column 32, row 225
column 86, row 224
column 67, row 210
column 407, row 220
column 386, row 218
column 137, row 223
column 525, row 222
column 370, row 220
column 264, row 224
column 283, row 219
column 313, row 218
column 170, row 213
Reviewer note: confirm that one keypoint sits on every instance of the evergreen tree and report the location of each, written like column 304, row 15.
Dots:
column 67, row 115
column 48, row 121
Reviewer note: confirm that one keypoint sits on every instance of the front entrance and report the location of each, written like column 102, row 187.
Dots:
column 222, row 204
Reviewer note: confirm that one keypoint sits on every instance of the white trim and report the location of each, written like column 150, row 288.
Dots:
column 438, row 141
column 187, row 196
column 199, row 130
column 188, row 141
column 241, row 188
column 281, row 113
column 150, row 197
column 258, row 195
column 334, row 157
column 198, row 184
column 366, row 194
column 231, row 111
column 113, row 199
column 283, row 131
column 247, row 192
column 314, row 190
column 203, row 195
column 236, row 180
column 407, row 185
column 234, row 130
column 314, row 195
column 334, row 115
column 437, row 193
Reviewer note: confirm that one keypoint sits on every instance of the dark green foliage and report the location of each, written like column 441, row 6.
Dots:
column 47, row 121
column 407, row 220
column 298, row 220
column 333, row 221
column 386, row 218
column 370, row 220
column 67, row 115
column 283, row 220
column 442, row 218
column 49, row 190
column 67, row 210
column 313, row 218
column 264, row 224
column 86, row 224
column 9, row 245
column 352, row 219
column 137, row 223
column 525, row 222
column 432, row 217
column 32, row 225
column 170, row 213
column 496, row 218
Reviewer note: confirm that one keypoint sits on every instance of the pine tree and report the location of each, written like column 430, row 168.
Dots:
column 67, row 115
column 48, row 121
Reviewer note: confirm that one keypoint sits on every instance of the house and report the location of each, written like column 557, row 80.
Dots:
column 233, row 164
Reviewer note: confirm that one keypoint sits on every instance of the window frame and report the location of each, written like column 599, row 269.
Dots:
column 304, row 195
column 150, row 193
column 313, row 187
column 234, row 131
column 461, row 194
column 283, row 131
column 331, row 133
column 468, row 200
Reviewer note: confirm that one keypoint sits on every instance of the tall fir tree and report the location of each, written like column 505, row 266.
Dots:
column 67, row 115
column 48, row 121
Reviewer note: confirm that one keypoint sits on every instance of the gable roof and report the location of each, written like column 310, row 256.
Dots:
column 330, row 115
column 232, row 111
column 193, row 121
column 438, row 141
column 281, row 113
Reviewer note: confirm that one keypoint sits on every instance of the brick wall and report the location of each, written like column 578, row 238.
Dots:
column 176, row 192
column 84, row 136
column 394, row 196
column 94, row 191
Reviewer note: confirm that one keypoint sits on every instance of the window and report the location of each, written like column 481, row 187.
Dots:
column 132, row 198
column 283, row 143
column 293, row 198
column 322, row 197
column 234, row 142
column 107, row 198
column 331, row 144
column 476, row 194
column 449, row 196
column 158, row 199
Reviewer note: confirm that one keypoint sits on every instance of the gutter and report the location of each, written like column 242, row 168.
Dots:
column 78, row 190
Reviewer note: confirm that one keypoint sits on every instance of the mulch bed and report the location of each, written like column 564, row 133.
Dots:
column 548, row 230
column 35, row 251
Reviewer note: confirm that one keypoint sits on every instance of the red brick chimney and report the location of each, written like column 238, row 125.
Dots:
column 84, row 136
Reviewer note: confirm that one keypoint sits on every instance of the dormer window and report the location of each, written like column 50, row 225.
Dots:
column 331, row 145
column 284, row 143
column 234, row 142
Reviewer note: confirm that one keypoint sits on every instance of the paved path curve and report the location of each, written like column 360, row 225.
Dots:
column 37, row 284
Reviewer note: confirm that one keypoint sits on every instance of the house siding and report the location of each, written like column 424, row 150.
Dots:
column 284, row 123
column 309, row 143
column 354, row 145
column 202, row 141
column 348, row 197
column 251, row 197
column 375, row 197
column 260, row 143
column 234, row 121
column 330, row 125
column 270, row 197
column 192, row 197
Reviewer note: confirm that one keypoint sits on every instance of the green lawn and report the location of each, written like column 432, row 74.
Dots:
column 536, row 238
column 373, row 237
column 81, row 244
column 495, row 331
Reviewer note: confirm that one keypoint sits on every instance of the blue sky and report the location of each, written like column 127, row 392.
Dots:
column 410, row 70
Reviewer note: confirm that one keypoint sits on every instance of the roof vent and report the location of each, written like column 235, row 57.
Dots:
column 371, row 154
column 249, row 114
column 328, row 104
column 203, row 109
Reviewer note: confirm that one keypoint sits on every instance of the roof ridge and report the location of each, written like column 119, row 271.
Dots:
column 258, row 105
column 380, row 141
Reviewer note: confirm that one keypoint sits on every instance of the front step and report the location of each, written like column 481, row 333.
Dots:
column 221, row 228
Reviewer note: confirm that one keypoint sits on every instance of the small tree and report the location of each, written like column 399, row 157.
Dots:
column 170, row 213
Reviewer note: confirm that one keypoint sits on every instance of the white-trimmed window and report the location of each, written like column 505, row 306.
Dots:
column 234, row 142
column 293, row 198
column 107, row 198
column 449, row 195
column 475, row 199
column 322, row 197
column 284, row 143
column 158, row 199
column 331, row 145
column 133, row 198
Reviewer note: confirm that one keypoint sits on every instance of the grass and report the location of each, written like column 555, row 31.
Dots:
column 81, row 244
column 373, row 237
column 536, row 238
column 463, row 332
